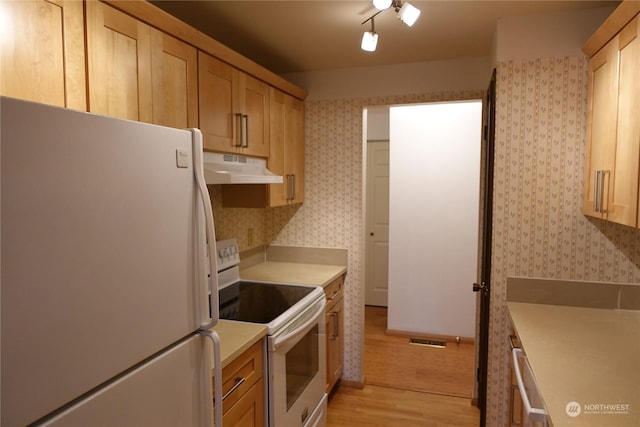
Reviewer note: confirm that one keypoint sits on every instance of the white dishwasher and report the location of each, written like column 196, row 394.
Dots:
column 533, row 412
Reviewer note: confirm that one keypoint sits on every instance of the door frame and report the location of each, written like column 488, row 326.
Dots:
column 484, row 286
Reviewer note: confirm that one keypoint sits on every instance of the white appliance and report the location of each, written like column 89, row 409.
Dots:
column 533, row 413
column 234, row 169
column 106, row 225
column 296, row 343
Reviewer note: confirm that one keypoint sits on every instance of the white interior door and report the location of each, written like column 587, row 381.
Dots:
column 434, row 217
column 377, row 250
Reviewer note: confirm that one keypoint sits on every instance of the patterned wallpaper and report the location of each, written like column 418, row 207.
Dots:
column 538, row 228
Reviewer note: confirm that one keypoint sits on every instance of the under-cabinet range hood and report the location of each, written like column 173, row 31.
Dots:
column 233, row 169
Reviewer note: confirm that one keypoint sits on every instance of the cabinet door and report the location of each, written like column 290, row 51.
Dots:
column 334, row 320
column 249, row 410
column 215, row 90
column 286, row 149
column 174, row 79
column 43, row 52
column 119, row 64
column 623, row 200
column 277, row 192
column 294, row 147
column 253, row 104
column 601, row 129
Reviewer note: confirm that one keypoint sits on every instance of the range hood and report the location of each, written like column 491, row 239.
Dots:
column 233, row 169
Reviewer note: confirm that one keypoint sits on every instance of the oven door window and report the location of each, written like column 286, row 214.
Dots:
column 302, row 365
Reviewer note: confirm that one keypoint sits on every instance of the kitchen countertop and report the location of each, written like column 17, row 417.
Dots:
column 586, row 355
column 236, row 337
column 294, row 272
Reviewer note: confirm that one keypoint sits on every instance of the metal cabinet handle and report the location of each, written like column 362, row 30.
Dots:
column 239, row 134
column 293, row 187
column 239, row 381
column 334, row 295
column 290, row 187
column 245, row 130
column 336, row 325
column 598, row 190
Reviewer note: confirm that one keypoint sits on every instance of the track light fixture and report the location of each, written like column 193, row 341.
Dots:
column 406, row 12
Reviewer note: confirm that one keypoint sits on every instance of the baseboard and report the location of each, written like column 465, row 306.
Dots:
column 354, row 384
column 447, row 338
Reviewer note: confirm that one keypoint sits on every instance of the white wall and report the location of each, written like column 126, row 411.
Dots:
column 377, row 123
column 416, row 77
column 433, row 236
column 547, row 36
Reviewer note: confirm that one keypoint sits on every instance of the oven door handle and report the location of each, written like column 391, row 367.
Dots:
column 312, row 315
column 534, row 414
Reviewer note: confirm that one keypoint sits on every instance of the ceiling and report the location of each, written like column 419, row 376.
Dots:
column 297, row 36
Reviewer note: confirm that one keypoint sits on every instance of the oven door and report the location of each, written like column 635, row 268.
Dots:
column 297, row 368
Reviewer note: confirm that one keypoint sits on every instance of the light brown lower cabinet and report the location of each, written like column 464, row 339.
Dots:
column 249, row 410
column 243, row 389
column 334, row 331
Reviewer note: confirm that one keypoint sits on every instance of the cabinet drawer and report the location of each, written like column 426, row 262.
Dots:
column 249, row 410
column 242, row 373
column 333, row 291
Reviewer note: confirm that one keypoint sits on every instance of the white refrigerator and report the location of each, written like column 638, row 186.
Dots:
column 105, row 291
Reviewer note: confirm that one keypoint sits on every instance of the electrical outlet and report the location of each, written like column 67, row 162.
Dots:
column 250, row 236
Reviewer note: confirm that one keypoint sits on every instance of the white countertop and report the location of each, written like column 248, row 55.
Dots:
column 293, row 272
column 585, row 355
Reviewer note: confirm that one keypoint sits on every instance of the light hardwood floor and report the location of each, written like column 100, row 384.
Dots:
column 400, row 391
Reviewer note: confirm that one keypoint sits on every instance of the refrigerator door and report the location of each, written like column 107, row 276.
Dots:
column 167, row 391
column 102, row 251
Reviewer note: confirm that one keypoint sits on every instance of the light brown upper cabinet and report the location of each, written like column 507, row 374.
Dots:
column 42, row 52
column 286, row 148
column 234, row 109
column 174, row 81
column 119, row 64
column 137, row 72
column 613, row 129
column 286, row 159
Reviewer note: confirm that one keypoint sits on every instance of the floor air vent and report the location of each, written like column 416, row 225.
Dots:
column 427, row 342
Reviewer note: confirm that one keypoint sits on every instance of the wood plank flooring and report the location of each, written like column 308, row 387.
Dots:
column 391, row 361
column 400, row 391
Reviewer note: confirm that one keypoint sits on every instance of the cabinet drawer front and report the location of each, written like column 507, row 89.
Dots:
column 242, row 373
column 249, row 410
column 333, row 290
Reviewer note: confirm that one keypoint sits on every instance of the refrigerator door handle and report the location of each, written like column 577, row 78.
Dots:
column 210, row 231
column 217, row 376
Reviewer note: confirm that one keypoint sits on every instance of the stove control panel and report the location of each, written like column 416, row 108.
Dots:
column 228, row 253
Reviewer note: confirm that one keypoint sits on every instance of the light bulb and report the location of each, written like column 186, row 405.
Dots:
column 369, row 41
column 382, row 4
column 408, row 14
